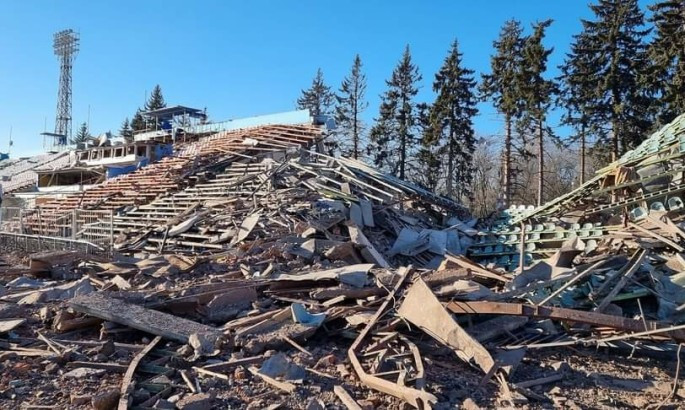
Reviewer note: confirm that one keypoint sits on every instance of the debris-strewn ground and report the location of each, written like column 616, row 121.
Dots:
column 289, row 279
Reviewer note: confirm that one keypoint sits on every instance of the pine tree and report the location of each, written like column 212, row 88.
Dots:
column 350, row 106
column 577, row 87
column 138, row 122
column 616, row 40
column 538, row 94
column 430, row 154
column 394, row 136
column 667, row 57
column 126, row 132
column 503, row 87
column 319, row 99
column 82, row 136
column 156, row 100
column 451, row 121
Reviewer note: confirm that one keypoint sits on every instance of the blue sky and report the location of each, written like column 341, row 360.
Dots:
column 239, row 58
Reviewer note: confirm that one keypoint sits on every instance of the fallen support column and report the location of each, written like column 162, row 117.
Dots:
column 555, row 313
column 422, row 308
column 157, row 323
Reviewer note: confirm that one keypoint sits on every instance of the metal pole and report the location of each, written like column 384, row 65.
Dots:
column 111, row 231
column 522, row 256
column 74, row 227
column 40, row 229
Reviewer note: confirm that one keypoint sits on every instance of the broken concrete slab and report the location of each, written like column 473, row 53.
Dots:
column 138, row 317
column 422, row 308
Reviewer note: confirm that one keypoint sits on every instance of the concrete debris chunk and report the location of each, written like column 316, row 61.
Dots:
column 422, row 308
column 278, row 366
column 199, row 401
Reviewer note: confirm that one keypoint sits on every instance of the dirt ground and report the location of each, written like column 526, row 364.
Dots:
column 592, row 379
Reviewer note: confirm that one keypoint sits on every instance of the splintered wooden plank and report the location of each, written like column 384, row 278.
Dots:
column 635, row 263
column 345, row 398
column 127, row 384
column 157, row 323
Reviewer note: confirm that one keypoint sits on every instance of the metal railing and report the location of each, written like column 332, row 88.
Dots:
column 38, row 243
column 93, row 227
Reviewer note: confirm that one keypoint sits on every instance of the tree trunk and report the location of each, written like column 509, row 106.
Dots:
column 355, row 125
column 450, row 166
column 541, row 161
column 614, row 128
column 403, row 151
column 355, row 134
column 582, row 154
column 404, row 131
column 507, row 162
column 614, row 141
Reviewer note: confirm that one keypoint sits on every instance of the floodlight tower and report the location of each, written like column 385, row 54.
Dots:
column 66, row 45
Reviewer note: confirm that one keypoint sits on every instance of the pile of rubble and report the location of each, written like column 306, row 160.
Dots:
column 290, row 279
column 271, row 323
column 298, row 199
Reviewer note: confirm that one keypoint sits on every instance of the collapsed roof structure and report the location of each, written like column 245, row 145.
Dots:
column 247, row 269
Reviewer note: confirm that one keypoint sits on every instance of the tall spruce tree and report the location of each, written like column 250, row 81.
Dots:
column 667, row 57
column 155, row 102
column 503, row 87
column 348, row 112
column 394, row 137
column 577, row 94
column 616, row 38
column 430, row 154
column 538, row 94
column 82, row 136
column 319, row 100
column 126, row 132
column 451, row 122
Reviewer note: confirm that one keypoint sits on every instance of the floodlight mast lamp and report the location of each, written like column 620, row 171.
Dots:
column 66, row 45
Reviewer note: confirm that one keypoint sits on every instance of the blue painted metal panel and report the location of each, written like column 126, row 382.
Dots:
column 113, row 172
column 163, row 150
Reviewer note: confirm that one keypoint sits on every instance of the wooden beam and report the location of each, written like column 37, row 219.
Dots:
column 127, row 383
column 657, row 236
column 345, row 398
column 148, row 320
column 561, row 314
column 634, row 264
